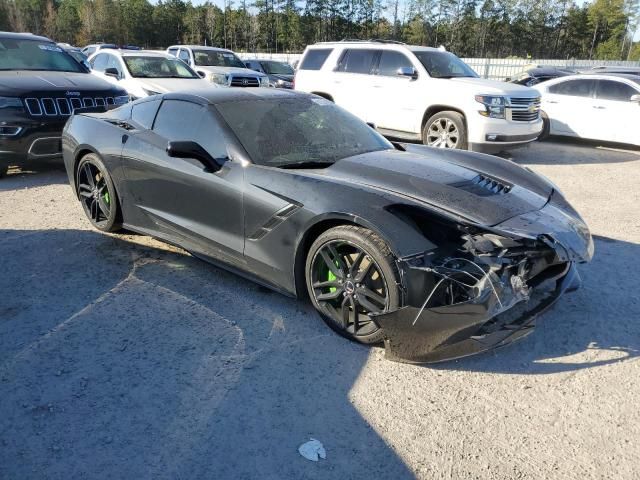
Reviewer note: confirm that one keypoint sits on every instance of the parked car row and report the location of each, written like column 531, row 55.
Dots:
column 40, row 87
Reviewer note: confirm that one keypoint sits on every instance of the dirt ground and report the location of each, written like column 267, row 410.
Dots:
column 121, row 357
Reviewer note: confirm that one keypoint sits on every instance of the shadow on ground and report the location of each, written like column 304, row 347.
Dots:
column 122, row 361
column 573, row 151
column 585, row 329
column 38, row 175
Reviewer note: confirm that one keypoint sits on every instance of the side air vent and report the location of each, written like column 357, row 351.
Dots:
column 277, row 218
column 484, row 186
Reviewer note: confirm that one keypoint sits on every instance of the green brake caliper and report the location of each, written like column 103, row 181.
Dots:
column 331, row 277
column 106, row 197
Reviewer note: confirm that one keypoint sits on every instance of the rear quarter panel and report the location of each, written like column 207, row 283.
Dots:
column 90, row 133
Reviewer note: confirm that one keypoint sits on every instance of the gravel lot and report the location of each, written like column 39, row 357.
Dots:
column 122, row 357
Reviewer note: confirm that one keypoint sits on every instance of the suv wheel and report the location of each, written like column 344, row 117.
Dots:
column 445, row 130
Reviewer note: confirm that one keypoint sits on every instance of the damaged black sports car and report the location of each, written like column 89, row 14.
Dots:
column 438, row 253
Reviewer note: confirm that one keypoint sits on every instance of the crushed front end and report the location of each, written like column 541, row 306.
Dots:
column 484, row 287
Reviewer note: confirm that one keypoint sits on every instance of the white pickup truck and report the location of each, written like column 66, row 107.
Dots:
column 219, row 65
column 421, row 94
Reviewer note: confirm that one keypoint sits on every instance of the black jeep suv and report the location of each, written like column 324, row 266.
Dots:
column 40, row 87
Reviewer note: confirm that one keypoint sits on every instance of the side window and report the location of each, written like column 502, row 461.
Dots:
column 184, row 55
column 99, row 62
column 612, row 90
column 173, row 51
column 574, row 88
column 357, row 61
column 315, row 58
column 391, row 62
column 179, row 120
column 143, row 113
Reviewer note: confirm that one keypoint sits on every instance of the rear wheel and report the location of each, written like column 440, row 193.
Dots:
column 445, row 129
column 350, row 272
column 97, row 194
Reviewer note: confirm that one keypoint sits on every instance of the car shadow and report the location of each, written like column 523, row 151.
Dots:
column 18, row 178
column 594, row 326
column 572, row 151
column 119, row 360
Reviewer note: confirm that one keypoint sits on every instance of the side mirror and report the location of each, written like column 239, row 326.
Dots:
column 201, row 74
column 407, row 72
column 112, row 72
column 188, row 149
column 635, row 98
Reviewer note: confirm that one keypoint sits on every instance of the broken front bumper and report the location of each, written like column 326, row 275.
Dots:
column 454, row 331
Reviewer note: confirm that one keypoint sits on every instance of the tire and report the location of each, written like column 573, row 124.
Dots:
column 546, row 127
column 97, row 194
column 439, row 130
column 365, row 279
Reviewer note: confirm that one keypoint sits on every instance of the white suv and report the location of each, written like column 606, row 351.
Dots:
column 218, row 65
column 421, row 93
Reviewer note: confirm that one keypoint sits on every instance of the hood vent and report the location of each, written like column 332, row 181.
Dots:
column 484, row 186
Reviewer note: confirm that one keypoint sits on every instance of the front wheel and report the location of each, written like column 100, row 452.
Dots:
column 546, row 127
column 445, row 130
column 350, row 273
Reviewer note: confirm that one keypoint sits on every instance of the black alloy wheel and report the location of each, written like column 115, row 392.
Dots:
column 97, row 194
column 350, row 274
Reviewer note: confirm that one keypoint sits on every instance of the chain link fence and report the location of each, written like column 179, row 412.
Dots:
column 492, row 68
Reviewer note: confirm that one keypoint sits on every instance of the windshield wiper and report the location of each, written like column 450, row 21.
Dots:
column 306, row 164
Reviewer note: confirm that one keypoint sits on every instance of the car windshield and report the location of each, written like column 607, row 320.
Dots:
column 216, row 58
column 22, row 54
column 443, row 64
column 277, row 68
column 78, row 55
column 158, row 67
column 299, row 132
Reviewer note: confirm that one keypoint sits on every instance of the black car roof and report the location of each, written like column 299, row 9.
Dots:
column 23, row 36
column 223, row 95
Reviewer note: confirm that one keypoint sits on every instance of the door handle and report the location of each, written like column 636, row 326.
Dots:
column 125, row 138
column 599, row 107
column 552, row 101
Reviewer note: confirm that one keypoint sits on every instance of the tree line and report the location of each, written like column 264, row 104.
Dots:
column 602, row 29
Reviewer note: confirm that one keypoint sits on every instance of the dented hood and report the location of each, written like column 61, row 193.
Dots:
column 482, row 189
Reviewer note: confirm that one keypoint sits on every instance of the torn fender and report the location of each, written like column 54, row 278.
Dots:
column 454, row 331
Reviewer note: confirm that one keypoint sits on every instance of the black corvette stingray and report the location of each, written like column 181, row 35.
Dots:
column 438, row 253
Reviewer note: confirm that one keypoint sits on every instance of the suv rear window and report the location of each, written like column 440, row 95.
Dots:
column 315, row 58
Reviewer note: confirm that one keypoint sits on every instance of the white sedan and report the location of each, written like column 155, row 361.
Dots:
column 143, row 73
column 597, row 107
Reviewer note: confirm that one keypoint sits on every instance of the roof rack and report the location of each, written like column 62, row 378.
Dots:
column 371, row 40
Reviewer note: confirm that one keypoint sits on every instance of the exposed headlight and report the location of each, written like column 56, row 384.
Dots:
column 494, row 106
column 10, row 102
column 219, row 78
column 150, row 92
column 283, row 84
column 264, row 81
